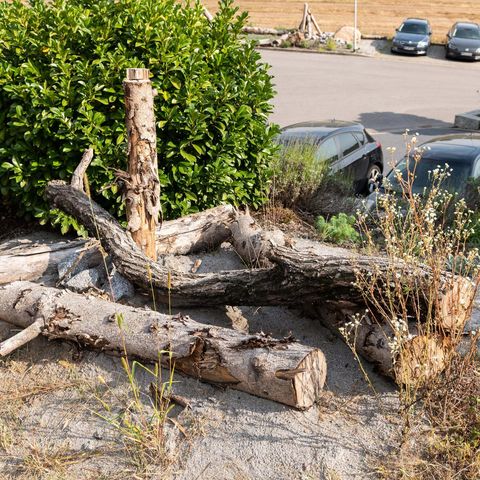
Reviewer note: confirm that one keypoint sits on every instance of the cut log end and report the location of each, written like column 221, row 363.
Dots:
column 309, row 379
column 422, row 359
column 455, row 305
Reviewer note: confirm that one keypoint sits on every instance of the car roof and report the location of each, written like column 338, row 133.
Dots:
column 466, row 24
column 318, row 131
column 416, row 20
column 321, row 128
column 451, row 148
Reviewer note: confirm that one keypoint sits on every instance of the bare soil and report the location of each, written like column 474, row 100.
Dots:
column 55, row 399
column 375, row 17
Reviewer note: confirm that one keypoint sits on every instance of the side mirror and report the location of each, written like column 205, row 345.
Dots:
column 449, row 36
column 397, row 30
column 430, row 33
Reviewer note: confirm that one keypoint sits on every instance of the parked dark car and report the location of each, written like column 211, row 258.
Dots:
column 346, row 146
column 460, row 152
column 413, row 37
column 463, row 41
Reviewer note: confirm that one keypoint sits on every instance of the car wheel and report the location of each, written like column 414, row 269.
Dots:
column 373, row 174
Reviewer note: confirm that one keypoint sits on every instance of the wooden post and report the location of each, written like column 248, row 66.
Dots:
column 303, row 23
column 142, row 192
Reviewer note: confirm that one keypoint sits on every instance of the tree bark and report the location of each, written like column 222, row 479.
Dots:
column 142, row 193
column 304, row 18
column 418, row 361
column 279, row 370
column 296, row 277
column 195, row 233
column 251, row 242
column 30, row 258
column 315, row 24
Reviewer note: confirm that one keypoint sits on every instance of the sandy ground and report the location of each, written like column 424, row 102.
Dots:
column 51, row 410
column 375, row 17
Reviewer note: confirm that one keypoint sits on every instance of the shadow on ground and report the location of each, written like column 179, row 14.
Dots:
column 396, row 123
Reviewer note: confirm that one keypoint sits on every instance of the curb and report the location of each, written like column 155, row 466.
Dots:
column 318, row 52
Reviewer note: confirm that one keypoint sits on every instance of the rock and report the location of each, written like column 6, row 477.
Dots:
column 118, row 286
column 77, row 262
column 346, row 34
column 84, row 280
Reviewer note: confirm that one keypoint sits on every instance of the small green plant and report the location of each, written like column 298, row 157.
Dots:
column 143, row 420
column 331, row 44
column 286, row 44
column 338, row 229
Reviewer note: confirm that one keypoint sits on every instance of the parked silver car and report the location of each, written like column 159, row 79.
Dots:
column 413, row 37
column 463, row 41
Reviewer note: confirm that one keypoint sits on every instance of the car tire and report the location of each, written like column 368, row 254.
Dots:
column 373, row 172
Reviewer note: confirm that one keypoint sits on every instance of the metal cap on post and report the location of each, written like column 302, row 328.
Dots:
column 138, row 74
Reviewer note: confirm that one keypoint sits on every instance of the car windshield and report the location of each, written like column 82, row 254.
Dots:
column 415, row 28
column 472, row 33
column 460, row 171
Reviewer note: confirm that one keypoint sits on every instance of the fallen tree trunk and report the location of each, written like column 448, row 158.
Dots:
column 418, row 360
column 279, row 370
column 296, row 277
column 197, row 232
column 31, row 258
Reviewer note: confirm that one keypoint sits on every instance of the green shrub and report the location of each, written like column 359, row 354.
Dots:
column 297, row 173
column 62, row 63
column 331, row 44
column 338, row 229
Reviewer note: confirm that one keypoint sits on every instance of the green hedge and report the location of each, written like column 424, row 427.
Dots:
column 62, row 64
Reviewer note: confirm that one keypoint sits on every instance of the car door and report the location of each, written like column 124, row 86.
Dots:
column 352, row 156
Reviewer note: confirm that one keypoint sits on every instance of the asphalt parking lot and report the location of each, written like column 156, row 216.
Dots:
column 387, row 93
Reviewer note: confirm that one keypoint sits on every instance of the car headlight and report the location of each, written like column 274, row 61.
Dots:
column 422, row 44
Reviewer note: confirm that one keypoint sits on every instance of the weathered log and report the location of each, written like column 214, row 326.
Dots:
column 21, row 338
column 32, row 258
column 142, row 186
column 304, row 18
column 419, row 359
column 263, row 31
column 78, row 174
column 315, row 24
column 296, row 277
column 194, row 233
column 37, row 256
column 251, row 242
column 279, row 370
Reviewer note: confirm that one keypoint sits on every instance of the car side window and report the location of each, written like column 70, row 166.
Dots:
column 361, row 138
column 328, row 151
column 348, row 143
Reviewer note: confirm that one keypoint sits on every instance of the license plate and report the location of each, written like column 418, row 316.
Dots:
column 466, row 54
column 409, row 48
